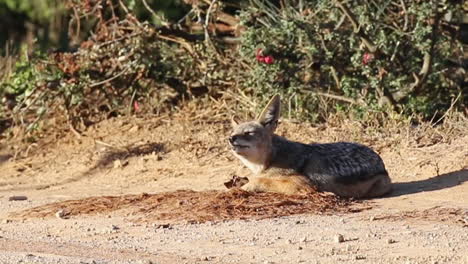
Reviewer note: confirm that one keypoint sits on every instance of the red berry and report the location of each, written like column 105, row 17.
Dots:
column 136, row 106
column 269, row 60
column 262, row 58
column 367, row 57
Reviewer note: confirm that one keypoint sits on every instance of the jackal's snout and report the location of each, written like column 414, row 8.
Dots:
column 232, row 139
column 237, row 142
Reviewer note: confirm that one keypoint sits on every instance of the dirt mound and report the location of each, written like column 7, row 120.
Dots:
column 196, row 207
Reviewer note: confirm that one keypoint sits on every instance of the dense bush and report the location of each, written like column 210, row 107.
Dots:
column 322, row 56
column 47, row 22
column 394, row 54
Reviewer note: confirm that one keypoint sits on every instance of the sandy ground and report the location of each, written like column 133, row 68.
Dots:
column 425, row 219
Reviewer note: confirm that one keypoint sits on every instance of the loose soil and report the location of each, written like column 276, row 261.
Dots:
column 141, row 190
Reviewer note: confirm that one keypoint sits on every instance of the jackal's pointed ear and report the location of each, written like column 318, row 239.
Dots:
column 234, row 121
column 270, row 114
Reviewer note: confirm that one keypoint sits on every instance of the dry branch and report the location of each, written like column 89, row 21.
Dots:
column 357, row 28
column 421, row 77
column 419, row 80
column 153, row 13
column 336, row 97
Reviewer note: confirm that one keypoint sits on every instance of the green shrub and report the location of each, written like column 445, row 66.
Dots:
column 320, row 54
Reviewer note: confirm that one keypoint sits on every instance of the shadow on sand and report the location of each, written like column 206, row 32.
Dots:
column 106, row 161
column 4, row 158
column 432, row 184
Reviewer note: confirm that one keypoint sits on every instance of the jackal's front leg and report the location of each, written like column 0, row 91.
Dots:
column 279, row 184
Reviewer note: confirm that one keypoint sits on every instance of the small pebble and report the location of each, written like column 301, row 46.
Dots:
column 390, row 241
column 118, row 164
column 134, row 129
column 164, row 226
column 60, row 214
column 146, row 261
column 339, row 238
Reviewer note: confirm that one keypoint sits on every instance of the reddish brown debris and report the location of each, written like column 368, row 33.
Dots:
column 197, row 207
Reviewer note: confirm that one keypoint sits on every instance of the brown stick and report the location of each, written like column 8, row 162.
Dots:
column 337, row 97
column 420, row 78
column 154, row 13
column 357, row 28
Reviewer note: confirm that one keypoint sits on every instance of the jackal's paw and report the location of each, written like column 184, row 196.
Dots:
column 251, row 186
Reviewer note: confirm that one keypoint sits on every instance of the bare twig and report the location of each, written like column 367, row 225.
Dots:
column 114, row 18
column 420, row 78
column 207, row 21
column 336, row 97
column 342, row 20
column 74, row 131
column 6, row 63
column 357, row 28
column 78, row 25
column 99, row 142
column 178, row 40
column 19, row 107
column 405, row 26
column 397, row 45
column 126, row 36
column 124, row 7
column 335, row 77
column 163, row 22
column 26, row 154
column 110, row 79
column 227, row 18
column 185, row 16
column 448, row 110
column 132, row 99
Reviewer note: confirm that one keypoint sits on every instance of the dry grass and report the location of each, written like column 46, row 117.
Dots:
column 377, row 129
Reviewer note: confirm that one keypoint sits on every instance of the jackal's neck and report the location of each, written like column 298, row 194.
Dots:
column 255, row 167
column 285, row 154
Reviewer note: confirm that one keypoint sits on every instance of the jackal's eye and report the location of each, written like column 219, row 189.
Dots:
column 250, row 133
